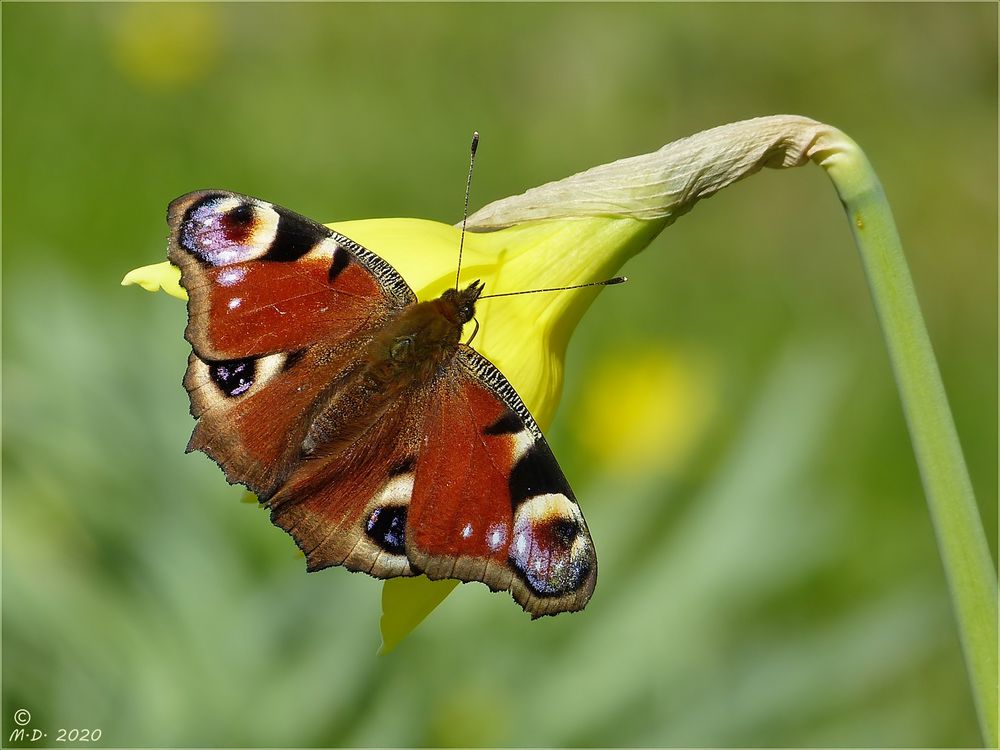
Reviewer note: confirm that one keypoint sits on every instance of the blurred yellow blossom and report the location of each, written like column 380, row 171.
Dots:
column 646, row 408
column 165, row 45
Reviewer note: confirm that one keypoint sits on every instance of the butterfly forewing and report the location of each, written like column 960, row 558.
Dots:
column 279, row 308
column 262, row 279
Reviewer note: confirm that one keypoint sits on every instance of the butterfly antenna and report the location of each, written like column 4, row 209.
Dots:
column 465, row 213
column 606, row 282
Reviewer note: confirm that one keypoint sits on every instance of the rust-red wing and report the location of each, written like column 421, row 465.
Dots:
column 280, row 308
column 253, row 413
column 463, row 514
column 262, row 279
column 350, row 508
column 490, row 502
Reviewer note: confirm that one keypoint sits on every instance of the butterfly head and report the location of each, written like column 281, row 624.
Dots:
column 463, row 301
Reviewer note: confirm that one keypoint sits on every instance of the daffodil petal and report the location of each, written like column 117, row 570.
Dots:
column 424, row 252
column 405, row 604
column 165, row 276
column 526, row 336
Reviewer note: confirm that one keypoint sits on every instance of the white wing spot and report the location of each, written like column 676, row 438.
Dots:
column 496, row 536
column 231, row 276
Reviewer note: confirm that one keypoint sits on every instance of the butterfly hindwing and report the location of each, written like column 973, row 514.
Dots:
column 350, row 507
column 455, row 481
column 254, row 414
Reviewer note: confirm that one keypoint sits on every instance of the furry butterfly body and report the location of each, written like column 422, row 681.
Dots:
column 378, row 440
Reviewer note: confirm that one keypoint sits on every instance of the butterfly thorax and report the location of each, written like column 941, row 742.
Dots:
column 414, row 346
column 405, row 355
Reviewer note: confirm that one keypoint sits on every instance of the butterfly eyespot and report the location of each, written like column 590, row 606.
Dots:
column 564, row 531
column 233, row 377
column 548, row 549
column 386, row 526
column 238, row 223
column 223, row 230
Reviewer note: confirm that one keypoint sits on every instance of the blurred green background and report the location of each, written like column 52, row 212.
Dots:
column 769, row 574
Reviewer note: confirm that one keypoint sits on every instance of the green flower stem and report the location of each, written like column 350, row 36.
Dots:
column 961, row 539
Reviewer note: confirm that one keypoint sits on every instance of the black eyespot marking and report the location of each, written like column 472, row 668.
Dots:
column 537, row 473
column 340, row 261
column 564, row 531
column 508, row 424
column 404, row 467
column 295, row 236
column 545, row 581
column 234, row 376
column 386, row 527
column 293, row 359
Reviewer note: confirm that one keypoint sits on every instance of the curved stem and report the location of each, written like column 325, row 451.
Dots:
column 961, row 540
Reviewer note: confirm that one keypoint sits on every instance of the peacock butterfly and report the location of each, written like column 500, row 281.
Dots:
column 376, row 438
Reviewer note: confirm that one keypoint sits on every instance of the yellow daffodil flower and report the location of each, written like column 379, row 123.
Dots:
column 574, row 231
